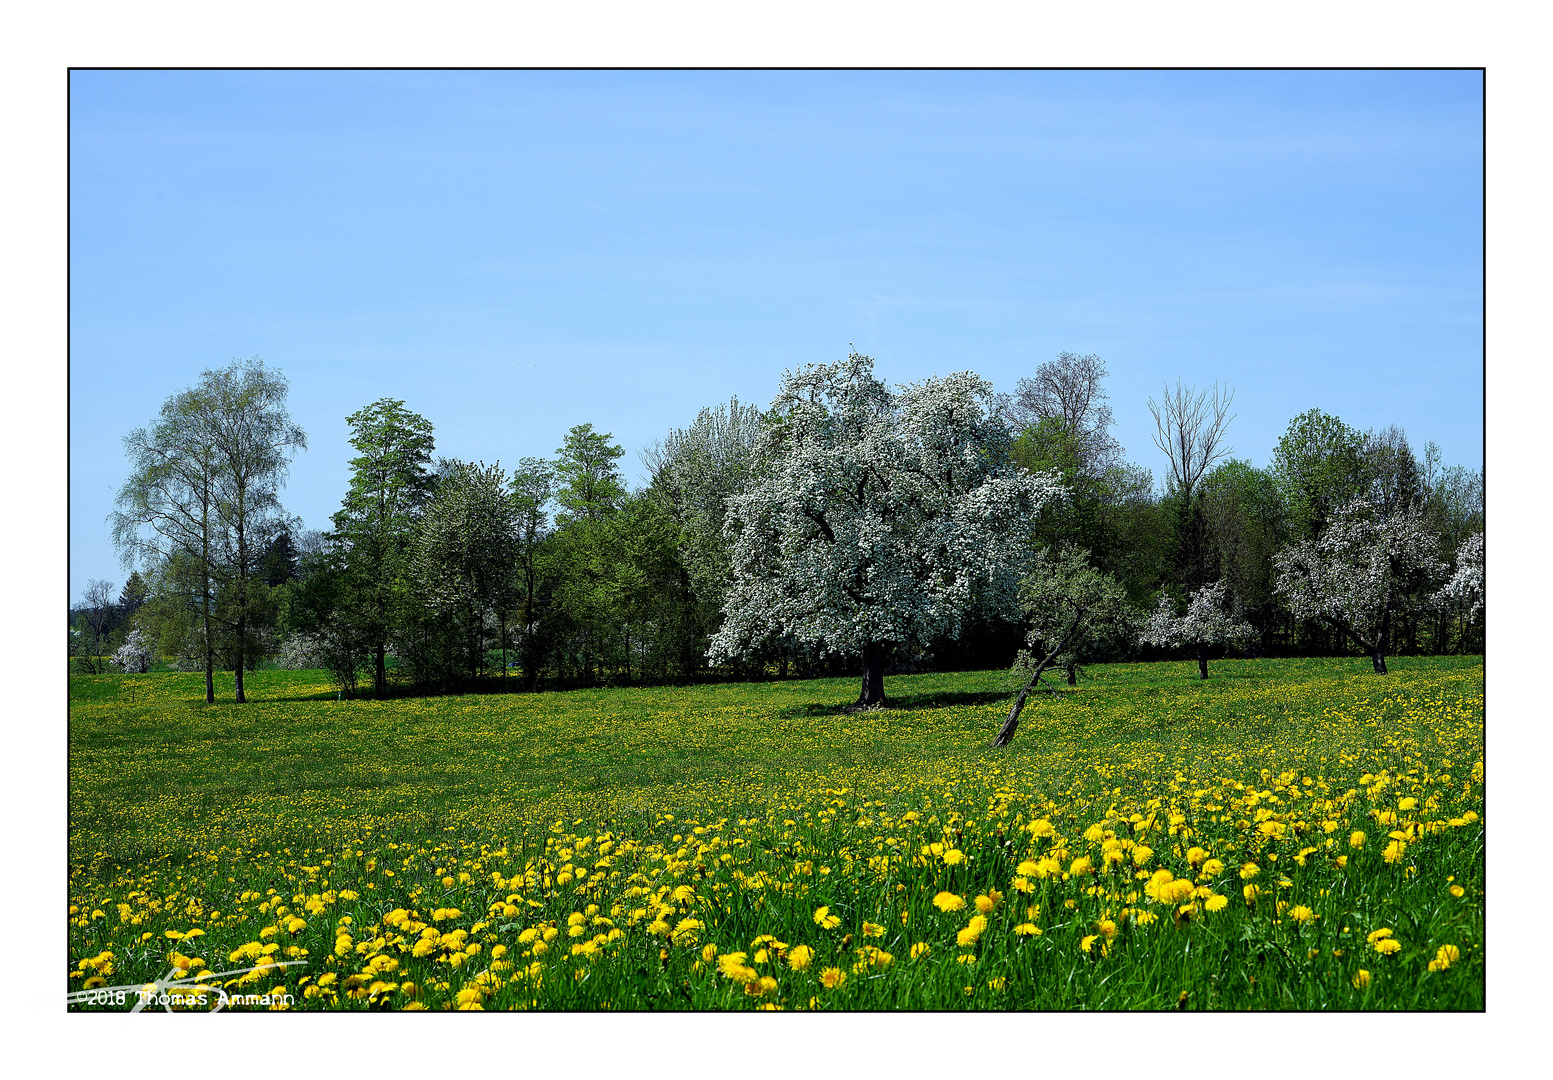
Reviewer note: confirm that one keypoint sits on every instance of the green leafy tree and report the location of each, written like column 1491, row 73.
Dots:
column 133, row 596
column 374, row 528
column 253, row 438
column 1070, row 609
column 1319, row 463
column 586, row 558
column 202, row 504
column 533, row 488
column 590, row 485
column 1245, row 524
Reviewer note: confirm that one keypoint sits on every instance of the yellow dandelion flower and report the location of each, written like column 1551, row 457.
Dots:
column 920, row 949
column 824, row 919
column 948, row 901
column 832, row 977
column 1361, row 979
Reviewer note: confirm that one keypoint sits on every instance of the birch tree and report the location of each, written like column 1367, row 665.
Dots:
column 1365, row 571
column 203, row 496
column 874, row 517
column 252, row 438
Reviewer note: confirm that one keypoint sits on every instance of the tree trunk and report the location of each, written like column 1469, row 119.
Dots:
column 1202, row 660
column 1005, row 734
column 1382, row 639
column 242, row 630
column 872, row 695
column 1072, row 674
column 380, row 668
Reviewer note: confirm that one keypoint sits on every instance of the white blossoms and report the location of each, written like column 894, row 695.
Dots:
column 1364, row 571
column 875, row 516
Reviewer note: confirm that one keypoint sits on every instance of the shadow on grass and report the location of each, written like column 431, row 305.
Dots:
column 904, row 702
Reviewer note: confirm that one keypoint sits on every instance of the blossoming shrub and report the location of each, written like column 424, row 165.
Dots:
column 1292, row 835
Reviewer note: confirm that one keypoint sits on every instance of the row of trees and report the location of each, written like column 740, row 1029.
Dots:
column 851, row 526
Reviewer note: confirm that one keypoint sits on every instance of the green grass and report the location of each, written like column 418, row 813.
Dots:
column 200, row 810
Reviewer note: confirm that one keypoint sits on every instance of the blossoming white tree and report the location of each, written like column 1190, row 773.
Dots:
column 1208, row 621
column 1364, row 571
column 1466, row 586
column 136, row 655
column 874, row 517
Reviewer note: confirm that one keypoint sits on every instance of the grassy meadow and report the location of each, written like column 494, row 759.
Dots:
column 1291, row 834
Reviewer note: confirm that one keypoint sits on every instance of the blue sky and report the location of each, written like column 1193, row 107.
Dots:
column 515, row 253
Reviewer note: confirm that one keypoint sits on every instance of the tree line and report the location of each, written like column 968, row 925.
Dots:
column 851, row 527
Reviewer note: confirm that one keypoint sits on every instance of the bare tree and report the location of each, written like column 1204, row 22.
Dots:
column 1190, row 431
column 1068, row 392
column 97, row 613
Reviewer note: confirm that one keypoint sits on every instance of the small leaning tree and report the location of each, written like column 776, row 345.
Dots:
column 1070, row 609
column 1365, row 571
column 1208, row 621
column 872, row 517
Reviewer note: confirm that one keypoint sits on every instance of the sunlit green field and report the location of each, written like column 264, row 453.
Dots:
column 1292, row 834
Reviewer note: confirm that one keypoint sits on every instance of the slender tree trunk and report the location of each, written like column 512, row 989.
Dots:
column 1072, row 674
column 1005, row 734
column 1202, row 660
column 242, row 630
column 380, row 667
column 872, row 694
column 208, row 601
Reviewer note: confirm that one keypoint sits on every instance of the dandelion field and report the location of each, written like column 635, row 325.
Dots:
column 1292, row 834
